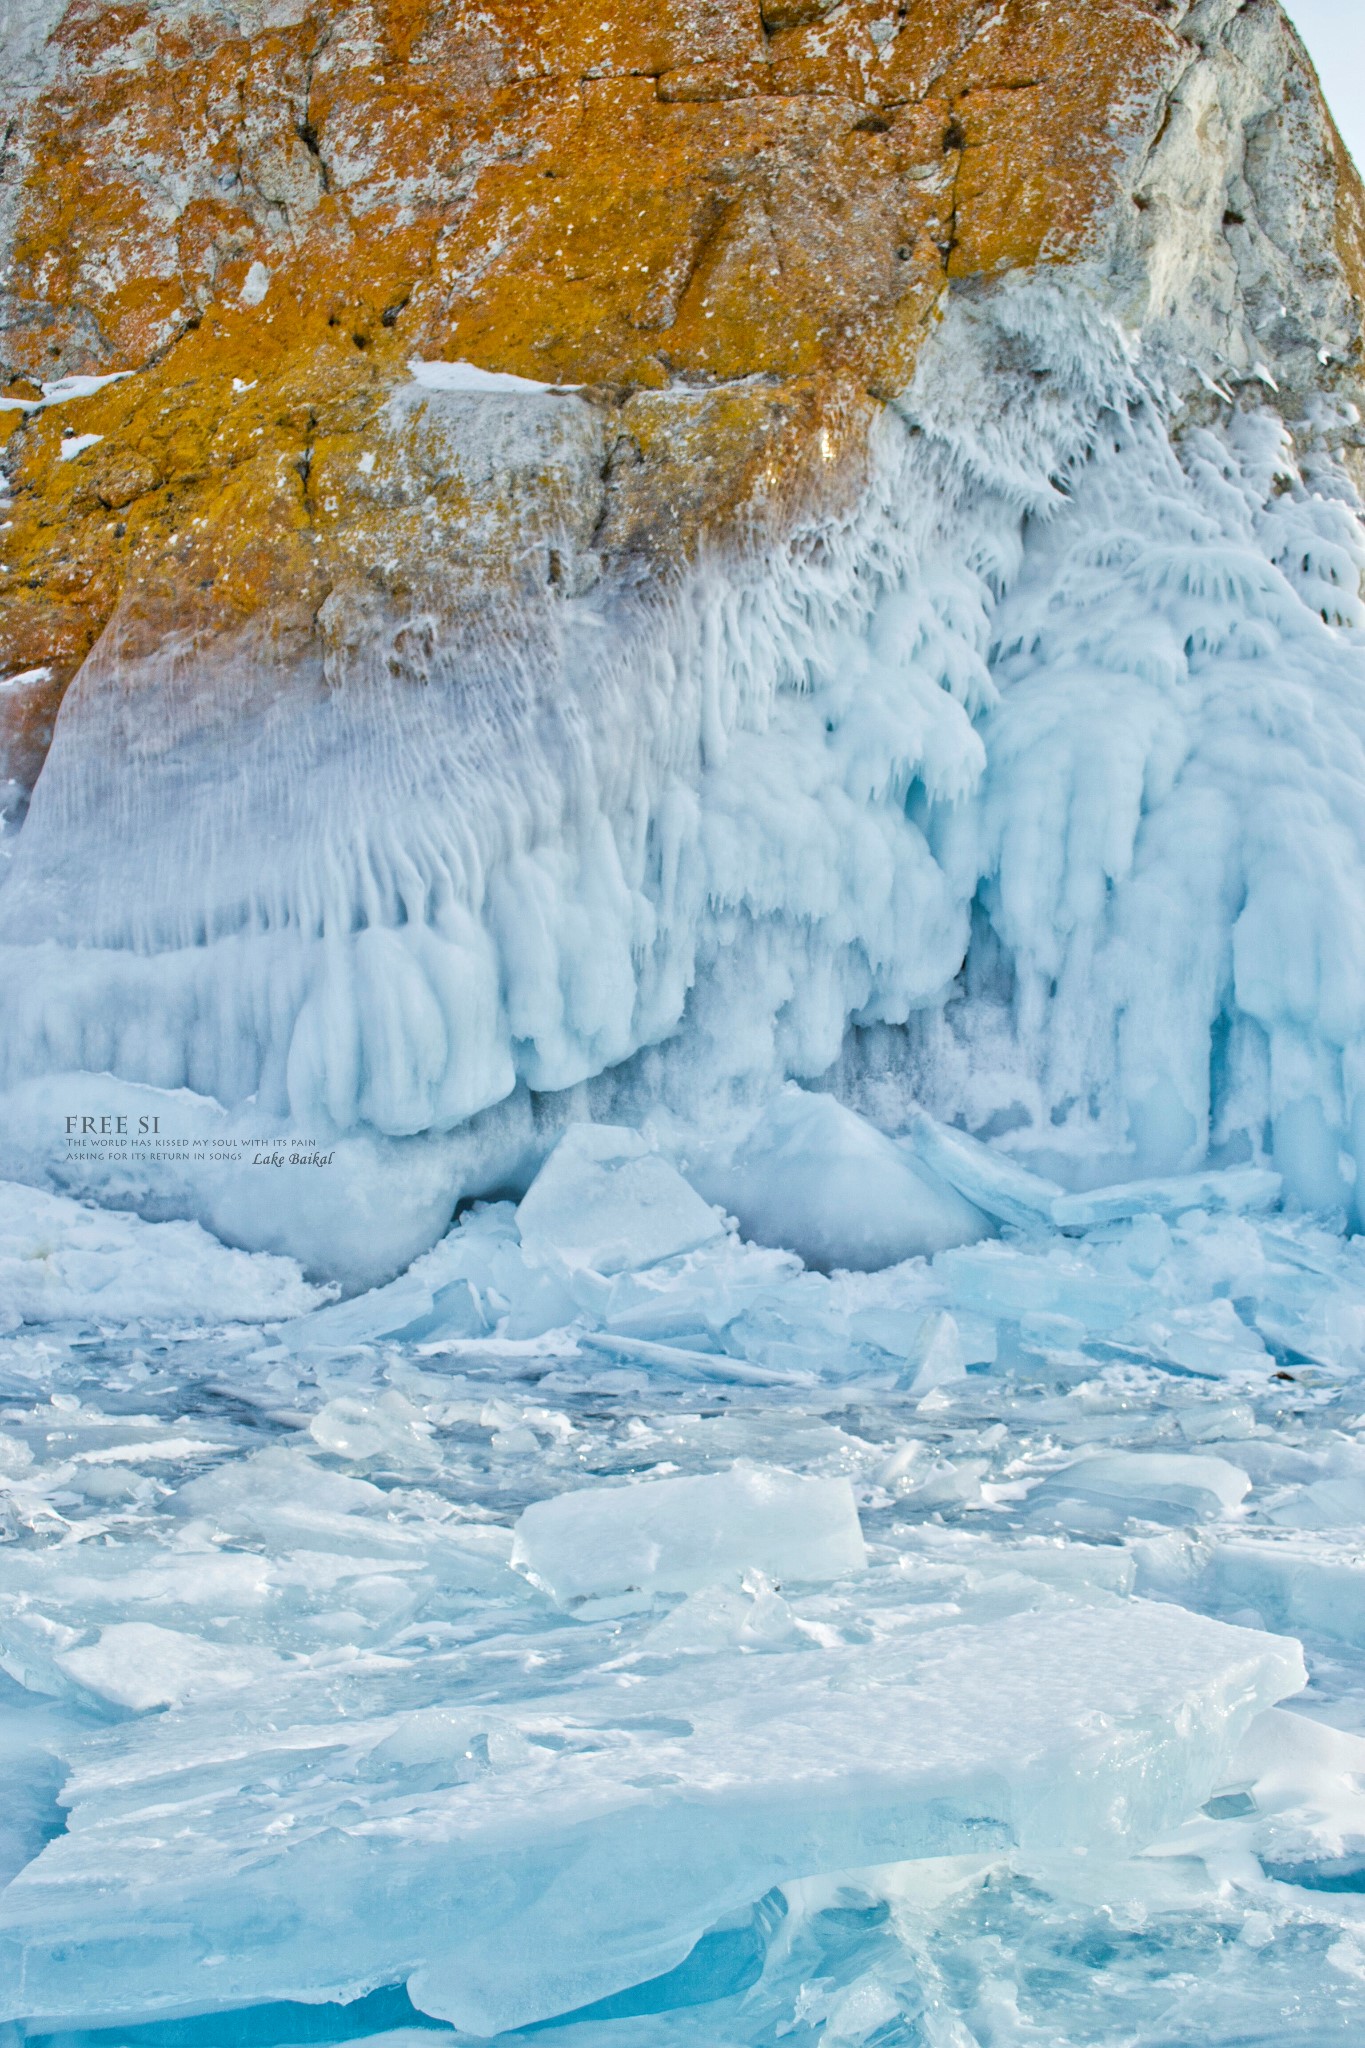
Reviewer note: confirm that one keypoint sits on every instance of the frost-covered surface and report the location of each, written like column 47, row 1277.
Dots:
column 695, row 1648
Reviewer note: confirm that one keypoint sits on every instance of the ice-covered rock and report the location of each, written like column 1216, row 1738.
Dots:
column 823, row 1182
column 676, row 1535
column 921, row 661
column 354, row 1208
column 1013, row 771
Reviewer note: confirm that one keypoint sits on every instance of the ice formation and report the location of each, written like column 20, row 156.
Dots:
column 1035, row 778
column 59, row 1258
column 814, row 1177
column 796, row 1475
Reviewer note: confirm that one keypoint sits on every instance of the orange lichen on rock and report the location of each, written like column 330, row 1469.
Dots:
column 729, row 223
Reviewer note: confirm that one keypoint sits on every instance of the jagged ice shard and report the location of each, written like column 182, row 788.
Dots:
column 682, row 1027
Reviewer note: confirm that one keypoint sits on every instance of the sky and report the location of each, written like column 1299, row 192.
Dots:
column 1334, row 31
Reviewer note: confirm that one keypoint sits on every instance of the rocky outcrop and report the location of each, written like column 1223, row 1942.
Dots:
column 730, row 226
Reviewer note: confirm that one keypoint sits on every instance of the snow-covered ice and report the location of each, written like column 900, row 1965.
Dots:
column 62, row 389
column 61, row 1260
column 469, row 377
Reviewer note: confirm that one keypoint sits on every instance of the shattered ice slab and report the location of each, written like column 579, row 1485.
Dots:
column 543, row 1853
column 1236, row 1190
column 938, row 1358
column 1060, row 1279
column 1313, row 1587
column 1305, row 1784
column 1333, row 1498
column 408, row 1303
column 819, row 1180
column 474, row 1281
column 1289, row 1819
column 267, row 1647
column 1159, row 1486
column 677, row 1535
column 989, row 1178
column 1206, row 1338
column 1028, row 1202
column 604, row 1201
column 139, row 1664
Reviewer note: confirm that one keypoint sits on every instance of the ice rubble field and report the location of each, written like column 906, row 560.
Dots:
column 614, row 1630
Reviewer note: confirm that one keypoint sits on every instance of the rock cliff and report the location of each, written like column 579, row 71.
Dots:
column 727, row 225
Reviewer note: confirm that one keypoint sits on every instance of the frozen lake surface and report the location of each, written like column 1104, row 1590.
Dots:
column 703, row 1650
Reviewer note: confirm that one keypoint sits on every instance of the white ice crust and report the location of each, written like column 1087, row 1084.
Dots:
column 64, row 1261
column 458, row 376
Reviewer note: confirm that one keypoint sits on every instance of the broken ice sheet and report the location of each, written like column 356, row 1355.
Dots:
column 593, row 1852
column 972, row 1574
column 813, row 1176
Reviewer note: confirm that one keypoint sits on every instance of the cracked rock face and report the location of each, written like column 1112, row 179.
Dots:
column 727, row 225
